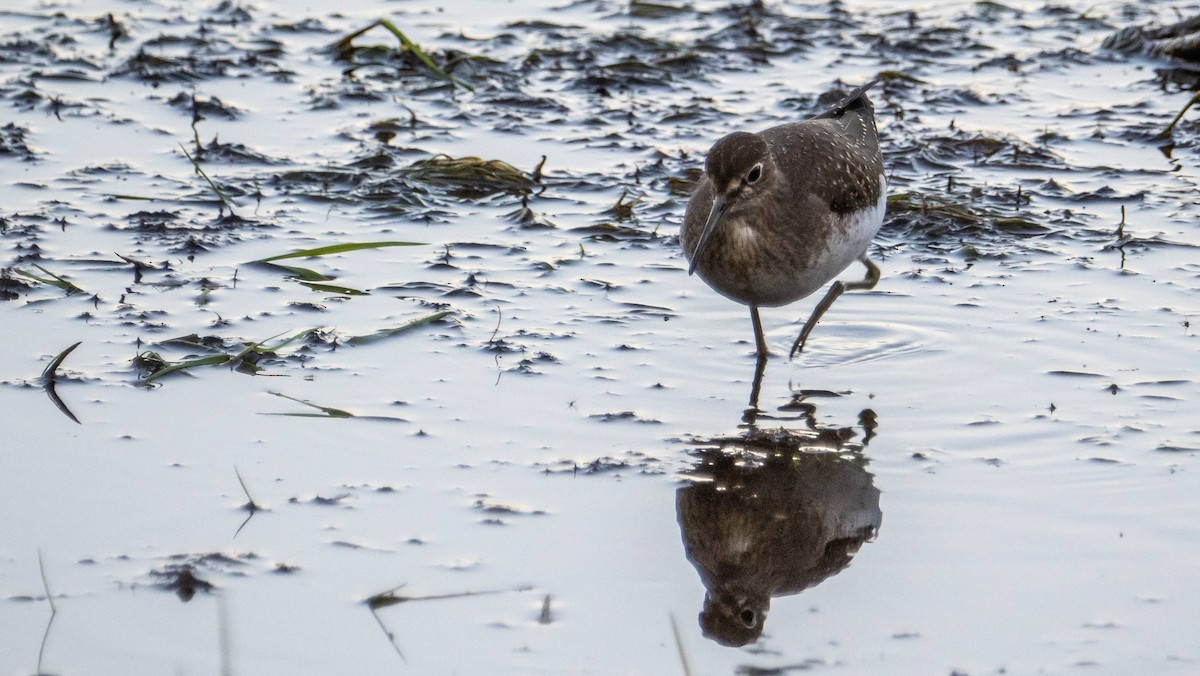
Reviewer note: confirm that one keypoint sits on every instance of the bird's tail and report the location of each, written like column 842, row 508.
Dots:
column 855, row 100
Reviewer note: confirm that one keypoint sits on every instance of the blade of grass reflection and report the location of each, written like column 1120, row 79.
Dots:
column 328, row 411
column 49, row 379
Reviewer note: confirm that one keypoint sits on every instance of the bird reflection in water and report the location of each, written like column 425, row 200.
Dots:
column 772, row 513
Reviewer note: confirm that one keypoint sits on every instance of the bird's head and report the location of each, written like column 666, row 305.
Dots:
column 739, row 167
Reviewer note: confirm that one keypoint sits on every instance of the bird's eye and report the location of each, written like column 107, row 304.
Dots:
column 754, row 174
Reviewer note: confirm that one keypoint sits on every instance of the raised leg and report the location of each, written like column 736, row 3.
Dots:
column 760, row 343
column 836, row 290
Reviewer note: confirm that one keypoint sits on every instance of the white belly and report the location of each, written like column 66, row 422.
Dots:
column 854, row 233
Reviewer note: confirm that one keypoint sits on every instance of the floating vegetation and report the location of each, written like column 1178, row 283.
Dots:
column 470, row 177
column 245, row 361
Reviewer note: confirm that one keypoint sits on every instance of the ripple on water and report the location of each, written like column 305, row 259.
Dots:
column 874, row 341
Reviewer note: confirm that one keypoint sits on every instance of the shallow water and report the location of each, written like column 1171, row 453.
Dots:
column 1007, row 419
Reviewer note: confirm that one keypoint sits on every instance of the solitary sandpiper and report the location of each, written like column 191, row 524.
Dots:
column 781, row 212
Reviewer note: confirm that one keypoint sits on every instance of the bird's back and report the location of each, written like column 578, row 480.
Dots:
column 834, row 156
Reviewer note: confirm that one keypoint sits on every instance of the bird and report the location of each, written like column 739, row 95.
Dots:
column 779, row 213
column 765, row 515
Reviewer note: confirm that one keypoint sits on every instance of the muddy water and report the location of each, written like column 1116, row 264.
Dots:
column 986, row 464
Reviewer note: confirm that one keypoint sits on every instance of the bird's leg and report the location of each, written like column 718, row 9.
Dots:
column 836, row 290
column 750, row 415
column 760, row 343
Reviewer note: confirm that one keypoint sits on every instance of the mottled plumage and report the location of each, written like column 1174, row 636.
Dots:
column 779, row 213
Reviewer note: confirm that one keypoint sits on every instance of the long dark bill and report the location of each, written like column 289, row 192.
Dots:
column 714, row 216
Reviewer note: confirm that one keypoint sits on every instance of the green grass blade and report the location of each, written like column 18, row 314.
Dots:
column 345, row 46
column 53, row 279
column 49, row 373
column 335, row 288
column 422, row 56
column 261, row 347
column 304, row 274
column 397, row 330
column 215, row 188
column 335, row 249
column 211, row 360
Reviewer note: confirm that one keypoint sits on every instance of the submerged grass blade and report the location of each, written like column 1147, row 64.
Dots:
column 325, row 411
column 335, row 249
column 397, row 330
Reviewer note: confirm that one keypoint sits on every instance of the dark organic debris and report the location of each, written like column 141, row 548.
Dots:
column 182, row 572
column 12, row 141
column 1180, row 40
column 623, row 416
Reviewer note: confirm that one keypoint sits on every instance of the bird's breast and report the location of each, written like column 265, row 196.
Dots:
column 774, row 255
